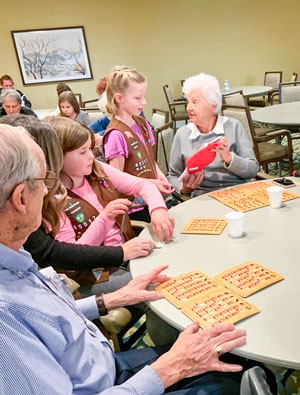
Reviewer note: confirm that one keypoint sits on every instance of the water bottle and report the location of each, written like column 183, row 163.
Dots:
column 226, row 85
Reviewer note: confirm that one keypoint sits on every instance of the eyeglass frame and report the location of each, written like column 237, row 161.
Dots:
column 44, row 179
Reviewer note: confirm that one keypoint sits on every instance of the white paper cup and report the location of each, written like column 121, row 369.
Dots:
column 275, row 196
column 235, row 221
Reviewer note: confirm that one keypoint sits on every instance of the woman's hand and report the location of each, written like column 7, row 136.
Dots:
column 162, row 224
column 191, row 182
column 224, row 150
column 116, row 207
column 137, row 247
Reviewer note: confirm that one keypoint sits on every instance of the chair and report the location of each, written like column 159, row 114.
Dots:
column 175, row 107
column 265, row 151
column 234, row 98
column 237, row 99
column 254, row 382
column 117, row 322
column 159, row 118
column 289, row 92
column 273, row 79
column 275, row 95
column 164, row 136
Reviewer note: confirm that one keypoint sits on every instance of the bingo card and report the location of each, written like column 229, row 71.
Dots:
column 209, row 226
column 186, row 287
column 249, row 196
column 218, row 307
column 247, row 278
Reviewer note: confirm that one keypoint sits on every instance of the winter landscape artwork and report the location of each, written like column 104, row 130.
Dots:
column 51, row 55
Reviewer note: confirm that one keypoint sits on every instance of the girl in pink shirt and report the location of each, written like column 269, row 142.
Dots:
column 128, row 140
column 90, row 217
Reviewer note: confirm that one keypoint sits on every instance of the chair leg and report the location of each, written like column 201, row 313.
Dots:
column 265, row 167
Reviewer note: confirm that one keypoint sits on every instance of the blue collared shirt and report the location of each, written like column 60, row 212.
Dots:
column 47, row 345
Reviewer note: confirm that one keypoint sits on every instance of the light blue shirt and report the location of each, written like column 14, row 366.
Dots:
column 47, row 345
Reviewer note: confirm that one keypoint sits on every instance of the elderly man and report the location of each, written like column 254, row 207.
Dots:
column 7, row 83
column 12, row 104
column 48, row 345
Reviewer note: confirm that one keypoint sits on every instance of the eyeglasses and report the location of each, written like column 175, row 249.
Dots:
column 49, row 179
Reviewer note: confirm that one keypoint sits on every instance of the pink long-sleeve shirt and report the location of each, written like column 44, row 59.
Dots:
column 103, row 230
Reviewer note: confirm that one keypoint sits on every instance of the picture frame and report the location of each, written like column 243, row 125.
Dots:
column 52, row 55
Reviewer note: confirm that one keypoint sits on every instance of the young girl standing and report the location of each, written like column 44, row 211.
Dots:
column 69, row 108
column 128, row 140
column 94, row 212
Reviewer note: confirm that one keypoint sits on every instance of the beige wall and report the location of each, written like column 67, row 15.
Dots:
column 168, row 40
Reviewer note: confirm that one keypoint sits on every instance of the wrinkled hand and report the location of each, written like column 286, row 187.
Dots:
column 137, row 247
column 191, row 182
column 101, row 86
column 195, row 352
column 224, row 150
column 162, row 224
column 135, row 291
column 116, row 207
column 163, row 186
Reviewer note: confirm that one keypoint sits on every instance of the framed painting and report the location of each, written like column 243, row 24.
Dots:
column 52, row 55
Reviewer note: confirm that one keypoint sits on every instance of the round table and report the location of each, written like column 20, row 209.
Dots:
column 285, row 114
column 272, row 237
column 249, row 90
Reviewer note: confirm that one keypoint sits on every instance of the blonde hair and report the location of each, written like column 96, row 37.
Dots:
column 118, row 82
column 72, row 135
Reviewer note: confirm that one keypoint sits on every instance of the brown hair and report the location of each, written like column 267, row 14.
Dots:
column 62, row 87
column 118, row 82
column 7, row 78
column 47, row 139
column 72, row 135
column 69, row 97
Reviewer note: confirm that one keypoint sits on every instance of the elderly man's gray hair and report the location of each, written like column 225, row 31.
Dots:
column 209, row 87
column 17, row 162
column 10, row 94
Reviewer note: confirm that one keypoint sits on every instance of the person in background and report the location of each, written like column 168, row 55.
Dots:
column 12, row 104
column 128, row 141
column 7, row 83
column 69, row 108
column 235, row 161
column 50, row 345
column 60, row 88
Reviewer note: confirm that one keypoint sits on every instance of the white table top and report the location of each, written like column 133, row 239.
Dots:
column 249, row 90
column 286, row 114
column 272, row 240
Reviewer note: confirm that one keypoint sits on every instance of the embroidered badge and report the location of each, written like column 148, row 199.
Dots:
column 128, row 134
column 79, row 217
column 104, row 183
column 134, row 144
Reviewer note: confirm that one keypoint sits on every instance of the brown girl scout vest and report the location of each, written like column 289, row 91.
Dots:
column 81, row 214
column 140, row 161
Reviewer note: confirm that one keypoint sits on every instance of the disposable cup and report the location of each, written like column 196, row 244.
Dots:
column 235, row 221
column 275, row 196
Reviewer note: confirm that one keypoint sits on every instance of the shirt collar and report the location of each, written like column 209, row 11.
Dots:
column 16, row 261
column 218, row 129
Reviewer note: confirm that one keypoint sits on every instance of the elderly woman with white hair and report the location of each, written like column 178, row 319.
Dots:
column 12, row 104
column 235, row 161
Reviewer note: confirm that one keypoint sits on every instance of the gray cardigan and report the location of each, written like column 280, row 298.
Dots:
column 243, row 166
